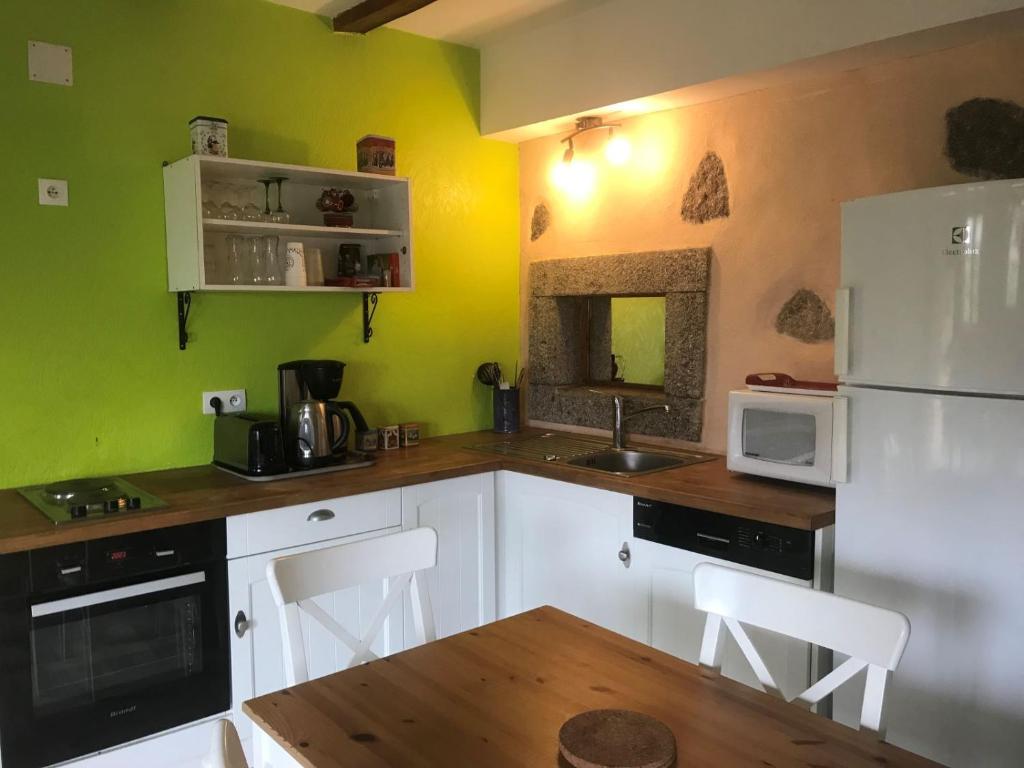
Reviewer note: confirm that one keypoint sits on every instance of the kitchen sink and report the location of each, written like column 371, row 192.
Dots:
column 593, row 454
column 629, row 462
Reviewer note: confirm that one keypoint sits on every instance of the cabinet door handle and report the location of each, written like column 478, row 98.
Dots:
column 242, row 624
column 624, row 555
column 320, row 515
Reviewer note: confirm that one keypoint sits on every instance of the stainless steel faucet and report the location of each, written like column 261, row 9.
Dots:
column 618, row 436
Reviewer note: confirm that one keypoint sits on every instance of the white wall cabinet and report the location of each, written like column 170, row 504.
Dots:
column 462, row 584
column 559, row 544
column 197, row 247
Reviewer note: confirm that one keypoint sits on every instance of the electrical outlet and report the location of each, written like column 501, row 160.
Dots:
column 49, row 63
column 53, row 192
column 231, row 401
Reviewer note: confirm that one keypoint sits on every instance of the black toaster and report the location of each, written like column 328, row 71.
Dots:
column 249, row 445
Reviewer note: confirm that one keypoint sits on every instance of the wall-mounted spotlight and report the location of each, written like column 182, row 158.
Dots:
column 617, row 149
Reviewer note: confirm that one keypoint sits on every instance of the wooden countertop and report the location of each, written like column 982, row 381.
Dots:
column 201, row 493
column 496, row 696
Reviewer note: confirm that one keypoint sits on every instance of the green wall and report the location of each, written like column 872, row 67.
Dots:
column 92, row 380
column 638, row 338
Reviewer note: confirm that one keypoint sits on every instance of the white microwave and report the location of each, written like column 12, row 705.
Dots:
column 788, row 436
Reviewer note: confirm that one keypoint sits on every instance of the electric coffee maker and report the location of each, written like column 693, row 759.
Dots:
column 309, row 435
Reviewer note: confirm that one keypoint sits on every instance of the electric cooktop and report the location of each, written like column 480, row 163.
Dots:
column 72, row 501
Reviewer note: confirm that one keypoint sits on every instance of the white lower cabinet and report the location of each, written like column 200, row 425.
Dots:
column 677, row 627
column 257, row 654
column 461, row 585
column 559, row 544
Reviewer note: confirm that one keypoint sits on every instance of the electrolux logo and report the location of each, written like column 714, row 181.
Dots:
column 961, row 237
column 125, row 711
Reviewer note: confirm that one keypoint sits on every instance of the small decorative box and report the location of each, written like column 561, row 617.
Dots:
column 409, row 434
column 366, row 441
column 388, row 438
column 209, row 136
column 376, row 154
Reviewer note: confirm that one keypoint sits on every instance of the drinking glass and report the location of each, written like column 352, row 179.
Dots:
column 266, row 198
column 210, row 210
column 210, row 270
column 236, row 269
column 257, row 263
column 270, row 260
column 251, row 210
column 228, row 210
column 280, row 216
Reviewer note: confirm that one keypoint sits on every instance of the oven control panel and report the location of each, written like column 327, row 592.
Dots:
column 119, row 557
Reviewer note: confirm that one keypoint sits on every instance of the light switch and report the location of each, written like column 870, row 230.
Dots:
column 53, row 192
column 48, row 63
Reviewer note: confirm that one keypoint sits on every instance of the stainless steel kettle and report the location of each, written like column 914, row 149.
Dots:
column 317, row 432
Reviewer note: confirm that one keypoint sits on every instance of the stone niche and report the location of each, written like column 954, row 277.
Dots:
column 570, row 309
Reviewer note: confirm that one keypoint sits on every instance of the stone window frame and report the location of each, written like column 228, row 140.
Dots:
column 559, row 293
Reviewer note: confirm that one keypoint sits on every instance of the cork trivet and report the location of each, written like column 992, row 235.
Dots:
column 616, row 738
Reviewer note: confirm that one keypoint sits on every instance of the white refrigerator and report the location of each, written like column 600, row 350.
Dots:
column 930, row 353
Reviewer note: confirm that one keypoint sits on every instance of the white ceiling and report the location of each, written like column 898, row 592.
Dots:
column 467, row 22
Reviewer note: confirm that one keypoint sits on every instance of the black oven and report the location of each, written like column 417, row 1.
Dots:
column 107, row 641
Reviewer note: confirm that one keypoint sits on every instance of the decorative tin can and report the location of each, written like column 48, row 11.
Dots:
column 376, row 154
column 388, row 438
column 366, row 441
column 409, row 434
column 209, row 136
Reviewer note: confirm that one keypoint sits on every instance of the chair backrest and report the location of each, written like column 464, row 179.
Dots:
column 225, row 747
column 873, row 637
column 296, row 579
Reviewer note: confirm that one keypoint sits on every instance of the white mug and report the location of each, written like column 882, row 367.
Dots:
column 295, row 266
column 314, row 267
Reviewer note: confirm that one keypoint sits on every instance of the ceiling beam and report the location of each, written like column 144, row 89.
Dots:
column 371, row 14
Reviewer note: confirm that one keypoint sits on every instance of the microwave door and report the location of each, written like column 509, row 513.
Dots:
column 779, row 437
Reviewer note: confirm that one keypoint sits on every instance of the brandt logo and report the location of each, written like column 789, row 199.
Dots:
column 125, row 711
column 961, row 235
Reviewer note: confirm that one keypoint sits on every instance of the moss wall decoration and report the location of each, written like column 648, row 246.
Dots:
column 707, row 196
column 985, row 138
column 540, row 221
column 806, row 317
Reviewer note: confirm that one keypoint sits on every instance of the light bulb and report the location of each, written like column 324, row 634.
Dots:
column 576, row 179
column 618, row 150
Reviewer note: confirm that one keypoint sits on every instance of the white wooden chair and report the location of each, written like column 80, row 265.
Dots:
column 873, row 637
column 296, row 579
column 225, row 747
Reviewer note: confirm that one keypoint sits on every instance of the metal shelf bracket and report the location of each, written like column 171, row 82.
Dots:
column 184, row 306
column 369, row 310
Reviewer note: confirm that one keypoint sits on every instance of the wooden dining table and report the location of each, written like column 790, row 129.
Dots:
column 497, row 696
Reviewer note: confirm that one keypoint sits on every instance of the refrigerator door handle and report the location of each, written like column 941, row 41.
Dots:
column 842, row 341
column 840, row 439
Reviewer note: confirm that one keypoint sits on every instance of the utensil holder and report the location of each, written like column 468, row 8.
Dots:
column 506, row 410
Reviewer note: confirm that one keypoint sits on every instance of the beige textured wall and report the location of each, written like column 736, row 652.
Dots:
column 791, row 154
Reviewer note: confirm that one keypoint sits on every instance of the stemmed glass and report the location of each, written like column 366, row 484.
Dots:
column 280, row 216
column 266, row 194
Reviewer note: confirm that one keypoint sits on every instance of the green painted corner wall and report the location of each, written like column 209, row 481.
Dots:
column 638, row 338
column 92, row 380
